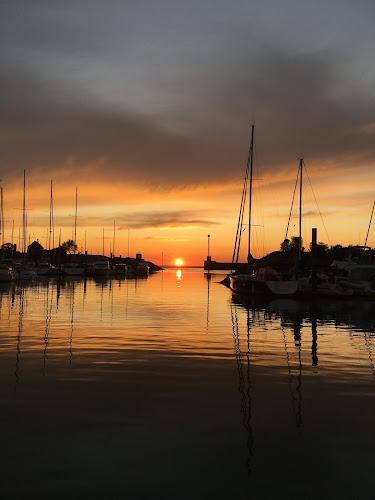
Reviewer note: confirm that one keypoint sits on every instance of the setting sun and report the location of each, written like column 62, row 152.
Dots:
column 179, row 262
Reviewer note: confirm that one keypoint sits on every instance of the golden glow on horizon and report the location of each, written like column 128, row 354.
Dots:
column 179, row 262
column 163, row 223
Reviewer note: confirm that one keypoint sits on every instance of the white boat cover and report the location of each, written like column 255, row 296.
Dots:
column 282, row 287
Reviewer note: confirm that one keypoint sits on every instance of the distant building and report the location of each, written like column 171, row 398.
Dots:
column 35, row 251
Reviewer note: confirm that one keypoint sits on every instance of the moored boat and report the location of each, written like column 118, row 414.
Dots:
column 102, row 267
column 73, row 269
column 45, row 269
column 264, row 281
column 24, row 272
column 6, row 272
column 252, row 284
column 120, row 269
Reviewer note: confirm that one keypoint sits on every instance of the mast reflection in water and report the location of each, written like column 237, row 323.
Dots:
column 171, row 387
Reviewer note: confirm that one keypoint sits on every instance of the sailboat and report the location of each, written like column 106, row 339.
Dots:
column 72, row 268
column 23, row 271
column 43, row 267
column 267, row 282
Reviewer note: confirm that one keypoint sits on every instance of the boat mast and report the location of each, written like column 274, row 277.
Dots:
column 249, row 256
column 2, row 217
column 75, row 223
column 50, row 224
column 368, row 230
column 300, row 209
column 114, row 237
column 24, row 216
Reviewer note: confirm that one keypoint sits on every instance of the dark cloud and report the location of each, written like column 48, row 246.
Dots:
column 302, row 103
column 166, row 219
column 142, row 220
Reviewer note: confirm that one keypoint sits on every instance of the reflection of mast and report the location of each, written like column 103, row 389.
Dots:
column 101, row 301
column 71, row 324
column 297, row 340
column 208, row 277
column 296, row 398
column 20, row 328
column 48, row 327
column 370, row 354
column 244, row 392
column 314, row 347
column 58, row 288
column 111, row 295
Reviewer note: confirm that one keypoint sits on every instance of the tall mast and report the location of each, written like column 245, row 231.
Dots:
column 249, row 257
column 2, row 217
column 368, row 230
column 300, row 209
column 103, row 241
column 50, row 223
column 114, row 237
column 24, row 215
column 75, row 223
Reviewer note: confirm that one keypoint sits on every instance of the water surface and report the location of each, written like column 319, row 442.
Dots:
column 169, row 387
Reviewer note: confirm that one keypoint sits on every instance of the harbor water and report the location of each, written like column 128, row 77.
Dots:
column 170, row 387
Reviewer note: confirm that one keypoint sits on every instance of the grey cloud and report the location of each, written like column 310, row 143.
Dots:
column 165, row 219
column 301, row 101
column 143, row 220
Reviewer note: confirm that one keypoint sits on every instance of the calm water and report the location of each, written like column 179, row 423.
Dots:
column 168, row 388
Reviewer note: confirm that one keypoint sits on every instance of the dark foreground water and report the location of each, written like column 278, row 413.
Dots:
column 170, row 388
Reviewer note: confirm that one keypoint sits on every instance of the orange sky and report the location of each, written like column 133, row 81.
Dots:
column 148, row 113
column 176, row 222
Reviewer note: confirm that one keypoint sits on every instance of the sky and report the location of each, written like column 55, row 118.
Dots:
column 146, row 107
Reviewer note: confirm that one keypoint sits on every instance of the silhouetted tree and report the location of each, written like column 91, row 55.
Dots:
column 285, row 245
column 321, row 248
column 69, row 246
column 7, row 246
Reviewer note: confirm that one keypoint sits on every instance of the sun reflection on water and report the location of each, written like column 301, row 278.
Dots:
column 178, row 275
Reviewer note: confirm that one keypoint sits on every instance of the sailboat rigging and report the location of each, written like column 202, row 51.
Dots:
column 248, row 182
column 252, row 283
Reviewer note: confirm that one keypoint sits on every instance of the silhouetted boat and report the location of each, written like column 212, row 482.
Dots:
column 102, row 267
column 6, row 272
column 254, row 283
column 73, row 269
column 120, row 269
column 45, row 269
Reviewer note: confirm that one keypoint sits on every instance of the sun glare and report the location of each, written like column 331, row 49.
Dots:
column 178, row 262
